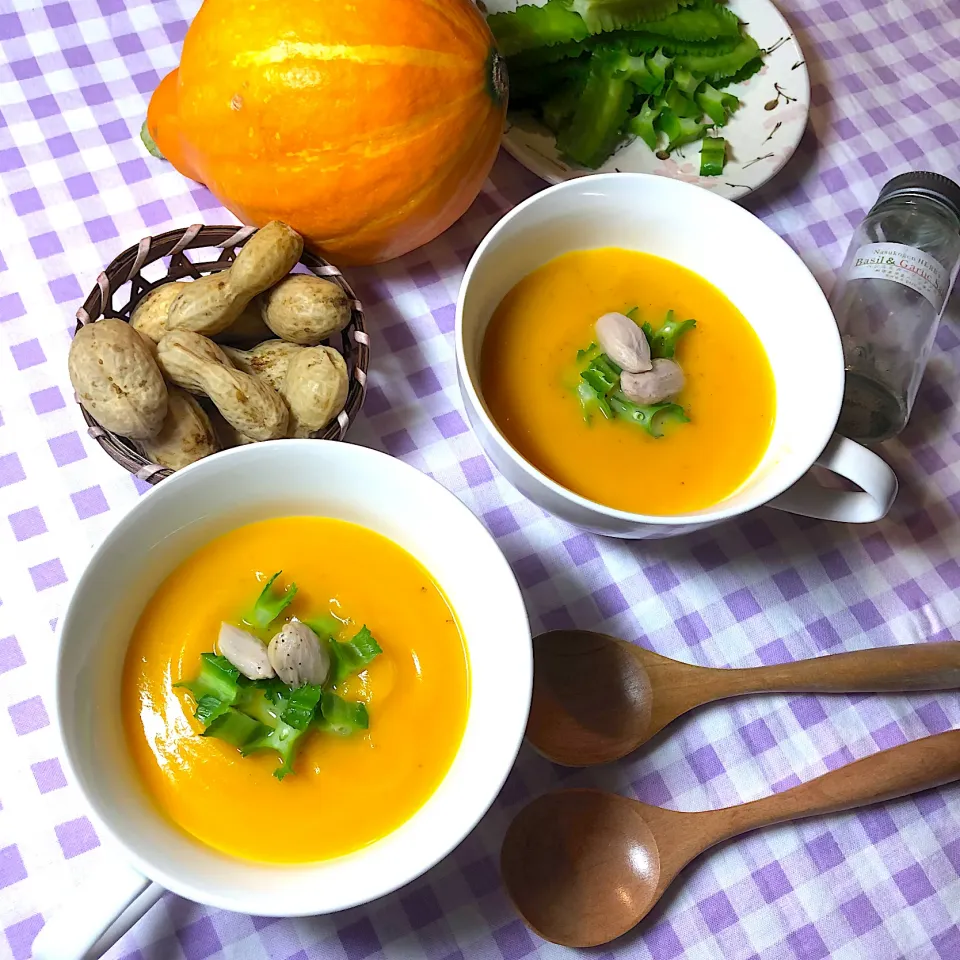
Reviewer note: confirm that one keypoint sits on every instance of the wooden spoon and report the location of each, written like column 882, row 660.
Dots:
column 583, row 867
column 597, row 698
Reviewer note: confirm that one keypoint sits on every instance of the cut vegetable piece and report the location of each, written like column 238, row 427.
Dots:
column 592, row 402
column 713, row 156
column 633, row 68
column 352, row 656
column 342, row 717
column 325, row 627
column 715, row 104
column 653, row 417
column 697, row 23
column 685, row 81
column 218, row 678
column 529, row 27
column 235, row 728
column 595, row 129
column 657, row 65
column 603, row 375
column 270, row 604
column 678, row 130
column 681, row 104
column 302, row 705
column 642, row 125
column 282, row 738
column 209, row 708
column 588, row 353
column 723, row 65
column 603, row 15
column 663, row 342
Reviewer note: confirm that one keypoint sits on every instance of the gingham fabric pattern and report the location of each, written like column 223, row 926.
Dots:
column 884, row 883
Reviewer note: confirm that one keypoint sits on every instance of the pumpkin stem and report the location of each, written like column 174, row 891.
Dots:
column 148, row 142
column 497, row 75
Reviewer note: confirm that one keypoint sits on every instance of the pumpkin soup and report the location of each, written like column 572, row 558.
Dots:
column 678, row 431
column 357, row 704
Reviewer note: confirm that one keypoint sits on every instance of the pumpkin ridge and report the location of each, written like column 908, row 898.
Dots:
column 368, row 54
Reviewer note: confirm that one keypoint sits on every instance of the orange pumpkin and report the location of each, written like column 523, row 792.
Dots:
column 367, row 125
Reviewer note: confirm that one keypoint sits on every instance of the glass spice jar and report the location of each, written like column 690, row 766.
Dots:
column 889, row 297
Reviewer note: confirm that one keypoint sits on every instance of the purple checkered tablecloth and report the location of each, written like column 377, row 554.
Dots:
column 77, row 186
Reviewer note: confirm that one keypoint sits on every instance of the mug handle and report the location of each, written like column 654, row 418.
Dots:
column 876, row 479
column 103, row 910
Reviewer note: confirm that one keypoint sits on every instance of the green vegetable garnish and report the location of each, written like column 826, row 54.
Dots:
column 713, row 155
column 603, row 375
column 663, row 342
column 210, row 708
column 591, row 402
column 235, row 728
column 589, row 351
column 218, row 680
column 255, row 715
column 631, row 313
column 302, row 705
column 281, row 737
column 353, row 655
column 651, row 417
column 270, row 605
column 325, row 627
column 342, row 717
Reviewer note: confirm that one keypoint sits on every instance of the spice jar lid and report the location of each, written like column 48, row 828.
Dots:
column 923, row 183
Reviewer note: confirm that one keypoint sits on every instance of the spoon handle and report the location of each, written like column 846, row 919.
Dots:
column 916, row 666
column 897, row 772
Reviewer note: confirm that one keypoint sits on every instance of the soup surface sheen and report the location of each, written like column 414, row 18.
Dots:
column 528, row 377
column 346, row 792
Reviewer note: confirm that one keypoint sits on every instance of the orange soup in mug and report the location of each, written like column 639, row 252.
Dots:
column 529, row 376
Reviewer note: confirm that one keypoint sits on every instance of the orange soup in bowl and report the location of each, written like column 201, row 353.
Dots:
column 298, row 717
column 629, row 380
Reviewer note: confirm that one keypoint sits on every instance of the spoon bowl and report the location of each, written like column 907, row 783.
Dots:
column 583, row 867
column 597, row 698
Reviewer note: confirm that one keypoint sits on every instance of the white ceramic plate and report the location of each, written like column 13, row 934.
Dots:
column 761, row 136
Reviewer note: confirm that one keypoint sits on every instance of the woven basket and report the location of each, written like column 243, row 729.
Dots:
column 226, row 241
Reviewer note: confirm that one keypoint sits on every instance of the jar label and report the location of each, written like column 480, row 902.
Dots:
column 906, row 265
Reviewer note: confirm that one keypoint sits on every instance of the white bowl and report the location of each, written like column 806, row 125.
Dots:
column 239, row 486
column 755, row 269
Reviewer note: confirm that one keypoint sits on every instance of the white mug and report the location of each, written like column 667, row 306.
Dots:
column 758, row 272
column 281, row 478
